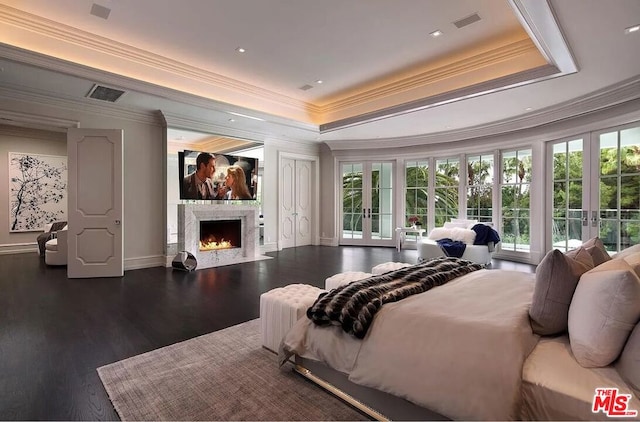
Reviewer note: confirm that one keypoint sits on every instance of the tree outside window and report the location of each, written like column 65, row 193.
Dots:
column 515, row 197
column 447, row 190
column 480, row 188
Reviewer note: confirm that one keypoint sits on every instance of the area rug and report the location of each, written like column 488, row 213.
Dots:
column 225, row 375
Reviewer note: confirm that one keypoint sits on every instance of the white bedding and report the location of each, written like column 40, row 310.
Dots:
column 556, row 387
column 457, row 349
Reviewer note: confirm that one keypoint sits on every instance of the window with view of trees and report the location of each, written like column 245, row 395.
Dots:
column 619, row 180
column 567, row 194
column 416, row 175
column 446, row 190
column 480, row 187
column 515, row 187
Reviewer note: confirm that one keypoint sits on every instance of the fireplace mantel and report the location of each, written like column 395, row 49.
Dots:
column 189, row 217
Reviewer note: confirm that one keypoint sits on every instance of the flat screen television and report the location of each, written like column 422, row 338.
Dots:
column 221, row 176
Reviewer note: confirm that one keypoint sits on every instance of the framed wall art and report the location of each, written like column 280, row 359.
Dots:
column 37, row 190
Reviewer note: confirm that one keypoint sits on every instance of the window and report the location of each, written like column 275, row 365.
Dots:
column 447, row 190
column 416, row 175
column 515, row 187
column 619, row 186
column 567, row 177
column 480, row 187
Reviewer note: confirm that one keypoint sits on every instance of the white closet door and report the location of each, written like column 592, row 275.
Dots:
column 296, row 205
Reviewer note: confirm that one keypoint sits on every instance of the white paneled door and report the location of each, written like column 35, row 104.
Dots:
column 296, row 212
column 95, row 203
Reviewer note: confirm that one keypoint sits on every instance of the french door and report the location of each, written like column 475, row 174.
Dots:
column 595, row 189
column 366, row 203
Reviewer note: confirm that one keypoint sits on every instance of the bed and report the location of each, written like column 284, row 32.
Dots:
column 464, row 350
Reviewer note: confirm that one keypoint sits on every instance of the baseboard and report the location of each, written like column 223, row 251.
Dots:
column 18, row 248
column 144, row 262
column 268, row 247
column 329, row 241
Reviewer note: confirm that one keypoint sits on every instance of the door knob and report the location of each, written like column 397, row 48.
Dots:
column 117, row 222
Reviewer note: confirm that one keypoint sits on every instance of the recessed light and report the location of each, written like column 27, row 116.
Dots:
column 528, row 109
column 240, row 50
column 319, row 81
column 232, row 120
column 631, row 29
column 436, row 33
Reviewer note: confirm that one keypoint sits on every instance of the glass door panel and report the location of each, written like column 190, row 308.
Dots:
column 382, row 201
column 567, row 201
column 596, row 190
column 367, row 203
column 352, row 208
column 618, row 217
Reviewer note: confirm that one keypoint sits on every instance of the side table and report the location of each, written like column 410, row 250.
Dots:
column 401, row 232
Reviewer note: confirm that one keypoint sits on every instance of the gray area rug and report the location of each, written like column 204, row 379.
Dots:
column 225, row 375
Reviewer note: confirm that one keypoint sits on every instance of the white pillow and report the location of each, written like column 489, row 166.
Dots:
column 439, row 233
column 456, row 233
column 604, row 309
column 467, row 223
column 452, row 224
column 467, row 236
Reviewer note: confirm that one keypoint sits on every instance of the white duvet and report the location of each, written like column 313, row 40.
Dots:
column 457, row 349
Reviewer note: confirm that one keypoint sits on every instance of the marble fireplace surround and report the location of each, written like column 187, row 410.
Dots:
column 189, row 217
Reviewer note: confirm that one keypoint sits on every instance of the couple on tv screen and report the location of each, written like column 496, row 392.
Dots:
column 210, row 176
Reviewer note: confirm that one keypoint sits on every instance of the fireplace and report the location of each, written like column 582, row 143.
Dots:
column 236, row 224
column 220, row 234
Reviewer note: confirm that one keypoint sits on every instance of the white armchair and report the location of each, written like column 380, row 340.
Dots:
column 55, row 252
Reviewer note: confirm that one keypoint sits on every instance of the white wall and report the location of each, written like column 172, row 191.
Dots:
column 143, row 164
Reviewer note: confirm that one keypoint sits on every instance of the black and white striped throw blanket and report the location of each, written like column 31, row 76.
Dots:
column 354, row 305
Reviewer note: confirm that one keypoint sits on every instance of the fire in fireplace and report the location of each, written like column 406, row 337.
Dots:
column 220, row 234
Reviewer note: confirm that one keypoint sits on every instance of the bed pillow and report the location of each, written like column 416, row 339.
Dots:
column 556, row 279
column 597, row 250
column 456, row 233
column 604, row 309
column 634, row 261
column 452, row 224
column 628, row 365
column 625, row 252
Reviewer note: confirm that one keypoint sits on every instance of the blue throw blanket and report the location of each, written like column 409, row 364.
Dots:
column 484, row 235
column 453, row 248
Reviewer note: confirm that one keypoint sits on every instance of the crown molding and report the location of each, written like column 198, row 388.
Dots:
column 623, row 92
column 498, row 84
column 223, row 90
column 458, row 68
column 74, row 36
column 538, row 20
column 177, row 121
column 36, row 122
column 20, row 93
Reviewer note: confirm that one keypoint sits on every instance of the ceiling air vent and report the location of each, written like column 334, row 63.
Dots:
column 306, row 87
column 104, row 93
column 467, row 21
column 100, row 11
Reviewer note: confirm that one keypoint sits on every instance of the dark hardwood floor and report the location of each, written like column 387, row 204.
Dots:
column 55, row 331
